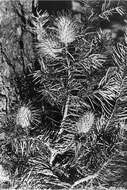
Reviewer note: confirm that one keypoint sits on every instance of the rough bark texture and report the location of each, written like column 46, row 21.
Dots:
column 5, row 70
column 16, row 51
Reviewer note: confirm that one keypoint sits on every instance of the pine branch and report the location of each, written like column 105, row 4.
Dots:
column 118, row 112
column 78, row 150
column 107, row 13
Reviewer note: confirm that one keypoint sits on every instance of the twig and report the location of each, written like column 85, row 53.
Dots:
column 66, row 108
column 68, row 97
column 91, row 177
column 86, row 179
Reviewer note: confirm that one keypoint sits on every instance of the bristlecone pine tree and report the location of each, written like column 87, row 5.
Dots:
column 63, row 97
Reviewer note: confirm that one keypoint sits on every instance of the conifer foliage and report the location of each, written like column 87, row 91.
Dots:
column 66, row 122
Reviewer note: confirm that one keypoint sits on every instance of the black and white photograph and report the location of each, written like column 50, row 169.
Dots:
column 63, row 94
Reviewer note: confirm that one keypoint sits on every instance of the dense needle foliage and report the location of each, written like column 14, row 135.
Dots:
column 66, row 123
